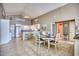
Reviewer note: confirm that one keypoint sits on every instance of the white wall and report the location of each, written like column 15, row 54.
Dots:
column 67, row 12
column 5, row 33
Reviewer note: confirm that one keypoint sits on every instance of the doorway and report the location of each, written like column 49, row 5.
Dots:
column 66, row 30
column 18, row 30
column 71, row 30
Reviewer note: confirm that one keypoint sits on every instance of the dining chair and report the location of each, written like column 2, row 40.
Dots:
column 56, row 40
column 50, row 39
column 38, row 40
column 59, row 37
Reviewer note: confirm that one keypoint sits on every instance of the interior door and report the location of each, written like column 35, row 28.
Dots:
column 60, row 27
column 71, row 30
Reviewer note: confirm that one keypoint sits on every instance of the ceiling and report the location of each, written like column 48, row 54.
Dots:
column 30, row 9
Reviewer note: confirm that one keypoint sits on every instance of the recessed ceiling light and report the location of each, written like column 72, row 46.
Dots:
column 27, row 17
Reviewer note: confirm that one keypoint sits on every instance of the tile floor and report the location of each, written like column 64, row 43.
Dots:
column 20, row 47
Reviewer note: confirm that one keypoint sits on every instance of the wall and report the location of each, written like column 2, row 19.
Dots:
column 67, row 12
column 0, row 10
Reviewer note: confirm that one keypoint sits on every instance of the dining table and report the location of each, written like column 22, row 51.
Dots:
column 48, row 40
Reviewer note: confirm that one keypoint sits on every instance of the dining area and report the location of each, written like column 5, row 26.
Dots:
column 42, row 38
column 48, row 41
